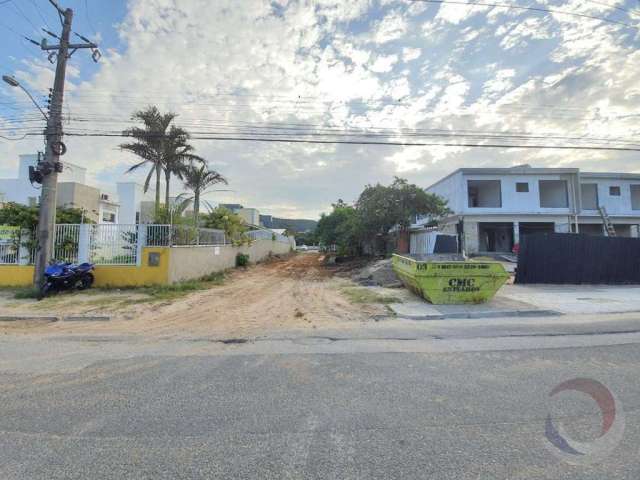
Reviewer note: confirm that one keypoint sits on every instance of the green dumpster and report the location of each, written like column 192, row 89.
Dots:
column 450, row 282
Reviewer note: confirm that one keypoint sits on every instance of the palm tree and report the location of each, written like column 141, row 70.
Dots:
column 177, row 156
column 198, row 179
column 149, row 145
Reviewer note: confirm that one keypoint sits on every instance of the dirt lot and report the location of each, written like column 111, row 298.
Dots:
column 292, row 293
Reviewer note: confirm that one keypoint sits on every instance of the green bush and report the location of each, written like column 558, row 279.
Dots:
column 242, row 260
column 26, row 292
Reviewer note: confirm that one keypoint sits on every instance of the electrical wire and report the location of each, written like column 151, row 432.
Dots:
column 379, row 143
column 532, row 9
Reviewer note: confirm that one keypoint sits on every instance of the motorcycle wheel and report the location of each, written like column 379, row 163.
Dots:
column 86, row 281
column 45, row 290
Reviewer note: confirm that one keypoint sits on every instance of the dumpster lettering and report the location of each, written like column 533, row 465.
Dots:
column 461, row 285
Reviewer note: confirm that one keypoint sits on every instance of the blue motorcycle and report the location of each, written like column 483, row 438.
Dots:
column 67, row 276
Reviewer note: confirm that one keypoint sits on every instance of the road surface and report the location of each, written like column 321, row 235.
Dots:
column 443, row 400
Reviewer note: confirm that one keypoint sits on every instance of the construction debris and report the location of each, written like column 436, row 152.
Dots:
column 379, row 273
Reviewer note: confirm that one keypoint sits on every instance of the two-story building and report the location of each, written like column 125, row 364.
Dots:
column 72, row 191
column 492, row 208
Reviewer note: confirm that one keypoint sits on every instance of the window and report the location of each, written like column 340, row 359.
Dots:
column 614, row 191
column 484, row 194
column 109, row 217
column 589, row 196
column 522, row 187
column 635, row 197
column 553, row 194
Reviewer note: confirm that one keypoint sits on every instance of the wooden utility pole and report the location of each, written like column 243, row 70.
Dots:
column 51, row 165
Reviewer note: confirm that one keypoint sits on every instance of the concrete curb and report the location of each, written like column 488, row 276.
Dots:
column 18, row 318
column 87, row 318
column 476, row 315
column 51, row 318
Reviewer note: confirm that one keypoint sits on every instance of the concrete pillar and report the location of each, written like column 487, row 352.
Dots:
column 84, row 240
column 516, row 233
column 24, row 247
column 562, row 227
column 141, row 241
column 471, row 237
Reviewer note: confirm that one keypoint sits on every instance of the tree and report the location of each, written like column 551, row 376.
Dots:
column 383, row 208
column 379, row 210
column 149, row 145
column 26, row 218
column 177, row 154
column 198, row 179
column 224, row 219
column 18, row 215
column 340, row 228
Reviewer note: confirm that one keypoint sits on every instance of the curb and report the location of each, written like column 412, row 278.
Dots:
column 51, row 319
column 476, row 315
column 18, row 318
column 87, row 318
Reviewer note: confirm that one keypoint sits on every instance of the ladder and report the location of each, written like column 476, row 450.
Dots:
column 606, row 221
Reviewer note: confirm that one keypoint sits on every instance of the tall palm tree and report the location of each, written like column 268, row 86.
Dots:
column 199, row 178
column 150, row 145
column 177, row 155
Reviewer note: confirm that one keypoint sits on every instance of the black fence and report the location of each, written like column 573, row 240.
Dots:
column 576, row 259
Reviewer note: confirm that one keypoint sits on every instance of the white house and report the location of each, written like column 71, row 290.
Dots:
column 493, row 207
column 100, row 206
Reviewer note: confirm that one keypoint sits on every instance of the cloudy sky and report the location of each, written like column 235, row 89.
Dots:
column 245, row 67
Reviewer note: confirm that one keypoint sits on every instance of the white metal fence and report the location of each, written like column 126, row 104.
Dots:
column 66, row 241
column 114, row 244
column 267, row 235
column 9, row 244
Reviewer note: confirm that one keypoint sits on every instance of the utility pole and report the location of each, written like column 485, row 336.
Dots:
column 51, row 165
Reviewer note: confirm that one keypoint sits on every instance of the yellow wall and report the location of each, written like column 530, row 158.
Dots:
column 132, row 275
column 106, row 275
column 16, row 275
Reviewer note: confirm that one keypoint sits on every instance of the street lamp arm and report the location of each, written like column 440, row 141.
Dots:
column 11, row 81
column 34, row 102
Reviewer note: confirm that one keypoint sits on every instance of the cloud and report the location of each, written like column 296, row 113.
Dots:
column 391, row 27
column 409, row 54
column 332, row 65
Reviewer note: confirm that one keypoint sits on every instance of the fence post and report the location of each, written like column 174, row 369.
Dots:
column 141, row 240
column 24, row 250
column 84, row 241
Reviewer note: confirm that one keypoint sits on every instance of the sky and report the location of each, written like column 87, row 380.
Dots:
column 237, row 67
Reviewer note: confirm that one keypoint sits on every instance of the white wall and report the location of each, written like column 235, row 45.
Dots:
column 130, row 195
column 454, row 189
column 188, row 263
column 615, row 205
column 19, row 189
column 249, row 215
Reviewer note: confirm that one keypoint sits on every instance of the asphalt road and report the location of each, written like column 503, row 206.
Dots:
column 392, row 402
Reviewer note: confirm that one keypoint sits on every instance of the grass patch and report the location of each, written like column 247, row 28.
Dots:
column 366, row 295
column 180, row 289
column 26, row 292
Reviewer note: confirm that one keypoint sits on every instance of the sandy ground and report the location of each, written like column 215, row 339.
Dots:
column 294, row 293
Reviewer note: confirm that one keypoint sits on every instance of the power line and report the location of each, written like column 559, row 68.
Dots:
column 39, row 10
column 532, row 9
column 87, row 16
column 371, row 142
column 21, row 13
column 616, row 7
